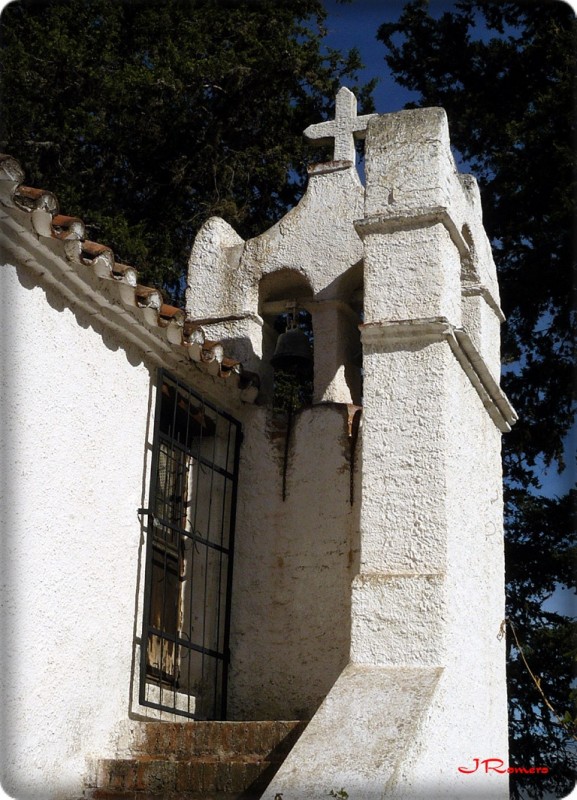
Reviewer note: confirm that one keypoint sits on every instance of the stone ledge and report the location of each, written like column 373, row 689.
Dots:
column 437, row 329
column 324, row 167
column 475, row 289
column 407, row 218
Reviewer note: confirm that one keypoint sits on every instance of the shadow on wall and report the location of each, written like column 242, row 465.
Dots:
column 30, row 281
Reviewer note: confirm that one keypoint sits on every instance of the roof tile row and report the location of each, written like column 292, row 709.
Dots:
column 49, row 224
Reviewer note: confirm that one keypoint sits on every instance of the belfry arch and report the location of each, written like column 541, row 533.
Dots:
column 282, row 293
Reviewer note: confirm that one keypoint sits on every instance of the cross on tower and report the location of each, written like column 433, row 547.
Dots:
column 344, row 128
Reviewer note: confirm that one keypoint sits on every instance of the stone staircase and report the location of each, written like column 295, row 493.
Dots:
column 198, row 761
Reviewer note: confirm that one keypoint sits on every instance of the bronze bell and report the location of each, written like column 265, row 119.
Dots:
column 293, row 352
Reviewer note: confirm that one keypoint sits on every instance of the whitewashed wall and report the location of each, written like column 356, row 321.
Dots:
column 406, row 667
column 294, row 563
column 470, row 703
column 75, row 409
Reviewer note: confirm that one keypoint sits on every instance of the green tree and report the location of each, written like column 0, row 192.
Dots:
column 505, row 73
column 145, row 118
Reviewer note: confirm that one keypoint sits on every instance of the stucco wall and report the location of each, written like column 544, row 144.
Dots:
column 77, row 428
column 424, row 692
column 470, row 702
column 294, row 562
column 75, row 409
column 406, row 667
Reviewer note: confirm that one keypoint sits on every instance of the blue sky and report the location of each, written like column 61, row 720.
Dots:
column 356, row 24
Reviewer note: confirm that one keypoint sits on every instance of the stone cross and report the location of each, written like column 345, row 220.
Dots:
column 344, row 129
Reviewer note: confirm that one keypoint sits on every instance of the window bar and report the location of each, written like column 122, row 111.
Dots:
column 206, row 565
column 195, row 467
column 203, row 624
column 187, row 632
column 176, row 540
column 220, row 646
column 228, row 602
column 194, row 531
column 144, row 638
column 169, row 490
column 172, row 507
column 164, row 513
column 182, row 497
column 206, row 535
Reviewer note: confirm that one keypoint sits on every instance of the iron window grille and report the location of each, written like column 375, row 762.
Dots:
column 189, row 554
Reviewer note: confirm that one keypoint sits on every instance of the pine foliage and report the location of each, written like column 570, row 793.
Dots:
column 145, row 118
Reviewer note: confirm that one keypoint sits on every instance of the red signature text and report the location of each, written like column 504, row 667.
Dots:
column 498, row 765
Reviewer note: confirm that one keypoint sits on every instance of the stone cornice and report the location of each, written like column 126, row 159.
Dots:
column 439, row 329
column 405, row 330
column 326, row 167
column 399, row 218
column 404, row 219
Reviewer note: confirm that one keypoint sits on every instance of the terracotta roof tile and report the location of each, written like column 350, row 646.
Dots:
column 97, row 271
column 212, row 351
column 168, row 314
column 192, row 332
column 30, row 199
column 93, row 249
column 125, row 272
column 148, row 297
column 67, row 227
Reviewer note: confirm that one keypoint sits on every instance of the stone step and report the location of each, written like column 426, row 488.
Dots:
column 198, row 761
column 183, row 740
column 203, row 774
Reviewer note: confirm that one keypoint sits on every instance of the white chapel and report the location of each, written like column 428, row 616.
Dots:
column 253, row 547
